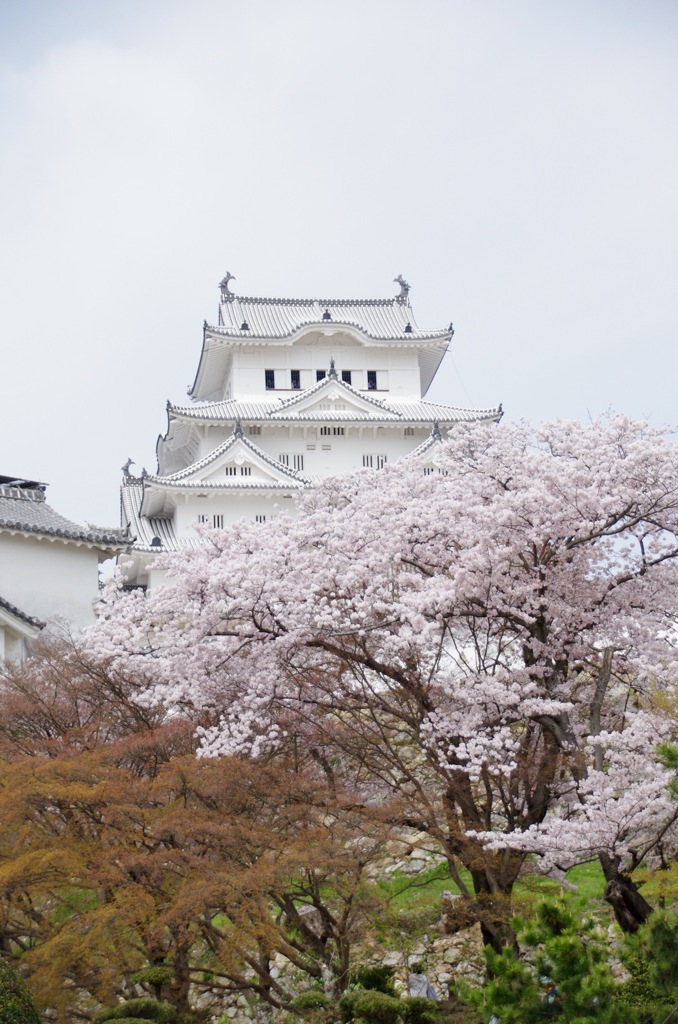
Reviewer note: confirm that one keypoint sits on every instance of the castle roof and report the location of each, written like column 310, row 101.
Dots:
column 252, row 320
column 184, row 477
column 282, row 410
column 147, row 528
column 380, row 319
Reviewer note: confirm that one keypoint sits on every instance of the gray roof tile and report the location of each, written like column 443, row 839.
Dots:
column 386, row 409
column 146, row 528
column 25, row 509
column 280, row 318
column 183, row 474
column 17, row 613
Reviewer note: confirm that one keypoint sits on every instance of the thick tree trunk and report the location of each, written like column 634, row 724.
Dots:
column 181, row 983
column 498, row 934
column 621, row 892
column 488, row 907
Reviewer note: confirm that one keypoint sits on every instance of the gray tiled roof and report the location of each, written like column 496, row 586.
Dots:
column 25, row 509
column 386, row 409
column 183, row 474
column 281, row 318
column 145, row 528
column 18, row 614
column 426, row 445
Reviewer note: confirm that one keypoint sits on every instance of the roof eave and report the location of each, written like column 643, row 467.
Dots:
column 418, row 338
column 194, row 386
column 112, row 547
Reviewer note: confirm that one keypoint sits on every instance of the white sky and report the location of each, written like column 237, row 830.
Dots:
column 516, row 160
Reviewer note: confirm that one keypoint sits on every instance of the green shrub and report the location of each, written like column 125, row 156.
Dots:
column 347, row 1004
column 377, row 1007
column 418, row 1010
column 376, row 979
column 313, row 999
column 158, row 975
column 16, row 1002
column 131, row 1020
column 140, row 1009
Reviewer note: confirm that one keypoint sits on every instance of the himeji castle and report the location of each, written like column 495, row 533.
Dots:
column 287, row 392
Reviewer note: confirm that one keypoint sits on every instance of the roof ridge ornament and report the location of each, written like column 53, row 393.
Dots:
column 237, row 430
column 404, row 286
column 223, row 285
column 332, row 375
column 125, row 468
column 435, row 433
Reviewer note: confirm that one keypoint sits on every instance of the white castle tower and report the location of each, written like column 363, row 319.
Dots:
column 287, row 392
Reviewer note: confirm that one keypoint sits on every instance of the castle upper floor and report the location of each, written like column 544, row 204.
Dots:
column 260, row 347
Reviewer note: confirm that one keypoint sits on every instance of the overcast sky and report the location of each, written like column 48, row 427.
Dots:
column 516, row 160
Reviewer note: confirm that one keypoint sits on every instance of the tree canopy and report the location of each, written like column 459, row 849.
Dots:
column 476, row 648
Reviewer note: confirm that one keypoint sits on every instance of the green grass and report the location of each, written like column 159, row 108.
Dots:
column 422, row 892
column 589, row 880
column 405, row 891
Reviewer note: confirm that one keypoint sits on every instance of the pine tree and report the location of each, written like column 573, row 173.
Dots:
column 16, row 1002
column 565, row 974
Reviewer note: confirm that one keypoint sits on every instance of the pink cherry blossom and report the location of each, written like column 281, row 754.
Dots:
column 478, row 647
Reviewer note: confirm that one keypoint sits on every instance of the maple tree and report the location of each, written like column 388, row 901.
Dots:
column 191, row 875
column 476, row 648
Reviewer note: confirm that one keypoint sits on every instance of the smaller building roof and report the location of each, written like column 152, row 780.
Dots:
column 23, row 509
column 15, row 613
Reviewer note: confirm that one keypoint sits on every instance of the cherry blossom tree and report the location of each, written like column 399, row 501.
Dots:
column 474, row 650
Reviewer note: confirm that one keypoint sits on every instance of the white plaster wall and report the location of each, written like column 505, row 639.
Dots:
column 397, row 368
column 157, row 577
column 49, row 579
column 12, row 646
column 211, row 438
column 330, row 454
column 231, row 506
column 323, row 454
